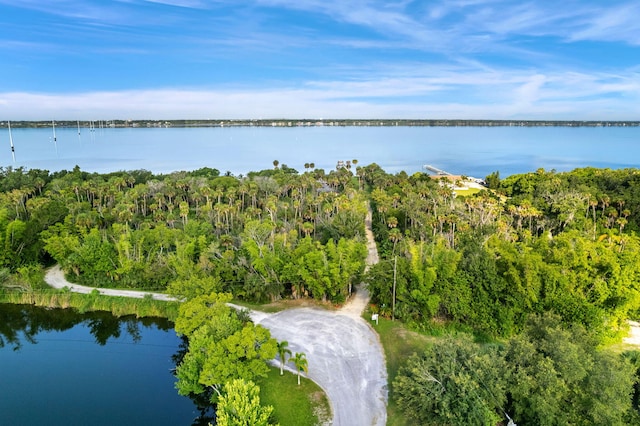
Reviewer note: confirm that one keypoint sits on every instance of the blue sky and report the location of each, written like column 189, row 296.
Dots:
column 163, row 59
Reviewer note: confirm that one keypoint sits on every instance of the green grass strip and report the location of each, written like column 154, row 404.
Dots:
column 118, row 306
column 304, row 405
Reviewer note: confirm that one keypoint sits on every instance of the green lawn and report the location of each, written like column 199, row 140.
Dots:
column 304, row 405
column 399, row 343
column 467, row 192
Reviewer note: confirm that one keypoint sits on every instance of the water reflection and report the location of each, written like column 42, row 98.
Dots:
column 21, row 324
column 68, row 356
column 132, row 360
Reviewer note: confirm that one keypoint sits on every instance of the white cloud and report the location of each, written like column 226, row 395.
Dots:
column 441, row 92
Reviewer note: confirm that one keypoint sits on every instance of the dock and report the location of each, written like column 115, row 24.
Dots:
column 436, row 170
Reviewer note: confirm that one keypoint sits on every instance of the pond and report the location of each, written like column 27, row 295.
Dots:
column 59, row 367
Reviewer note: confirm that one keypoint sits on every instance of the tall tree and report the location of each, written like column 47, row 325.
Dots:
column 283, row 351
column 300, row 361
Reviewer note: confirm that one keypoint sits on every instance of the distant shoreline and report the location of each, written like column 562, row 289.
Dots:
column 99, row 124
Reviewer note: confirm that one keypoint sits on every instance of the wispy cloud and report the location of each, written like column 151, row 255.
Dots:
column 291, row 58
column 190, row 4
column 74, row 9
column 612, row 24
column 444, row 93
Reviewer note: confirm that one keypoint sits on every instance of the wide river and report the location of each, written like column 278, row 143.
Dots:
column 472, row 151
column 58, row 367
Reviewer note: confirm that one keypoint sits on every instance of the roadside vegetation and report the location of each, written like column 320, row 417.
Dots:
column 538, row 272
column 540, row 266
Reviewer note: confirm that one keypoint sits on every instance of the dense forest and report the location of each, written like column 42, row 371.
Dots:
column 532, row 243
column 541, row 267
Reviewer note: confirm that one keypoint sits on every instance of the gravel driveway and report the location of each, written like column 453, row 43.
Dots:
column 345, row 359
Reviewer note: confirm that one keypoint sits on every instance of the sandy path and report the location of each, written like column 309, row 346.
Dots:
column 344, row 354
column 634, row 334
column 55, row 278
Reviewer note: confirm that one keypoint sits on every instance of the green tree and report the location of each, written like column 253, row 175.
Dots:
column 454, row 382
column 300, row 361
column 210, row 311
column 559, row 377
column 493, row 180
column 209, row 362
column 194, row 287
column 283, row 351
column 239, row 405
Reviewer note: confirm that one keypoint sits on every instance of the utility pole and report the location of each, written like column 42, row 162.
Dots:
column 393, row 302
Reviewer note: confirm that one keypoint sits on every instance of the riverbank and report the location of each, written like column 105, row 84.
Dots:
column 341, row 348
column 90, row 300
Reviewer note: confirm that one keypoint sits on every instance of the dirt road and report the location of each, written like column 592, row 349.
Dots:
column 55, row 278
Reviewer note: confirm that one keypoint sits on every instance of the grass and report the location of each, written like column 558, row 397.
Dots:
column 468, row 191
column 399, row 343
column 304, row 405
column 294, row 405
column 118, row 306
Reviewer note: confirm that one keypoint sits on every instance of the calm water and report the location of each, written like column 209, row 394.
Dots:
column 58, row 367
column 474, row 151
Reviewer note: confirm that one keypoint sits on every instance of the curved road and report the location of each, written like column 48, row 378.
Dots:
column 343, row 351
column 55, row 278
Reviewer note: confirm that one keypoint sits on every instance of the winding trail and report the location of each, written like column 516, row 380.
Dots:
column 343, row 351
column 55, row 278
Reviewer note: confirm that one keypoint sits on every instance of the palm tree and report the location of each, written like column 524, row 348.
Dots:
column 283, row 351
column 300, row 361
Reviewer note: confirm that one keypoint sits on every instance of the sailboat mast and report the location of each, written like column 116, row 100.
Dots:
column 55, row 140
column 13, row 150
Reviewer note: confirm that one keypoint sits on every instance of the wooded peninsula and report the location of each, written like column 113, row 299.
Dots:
column 513, row 299
column 280, row 122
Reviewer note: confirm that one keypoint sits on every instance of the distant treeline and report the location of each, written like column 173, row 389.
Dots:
column 97, row 124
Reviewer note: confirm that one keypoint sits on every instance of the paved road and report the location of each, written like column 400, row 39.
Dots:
column 345, row 359
column 344, row 354
column 343, row 351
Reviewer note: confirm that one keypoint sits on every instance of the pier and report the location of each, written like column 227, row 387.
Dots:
column 437, row 171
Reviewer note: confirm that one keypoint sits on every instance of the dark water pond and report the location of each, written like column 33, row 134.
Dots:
column 59, row 367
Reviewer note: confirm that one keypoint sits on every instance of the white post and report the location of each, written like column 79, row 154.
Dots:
column 393, row 303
